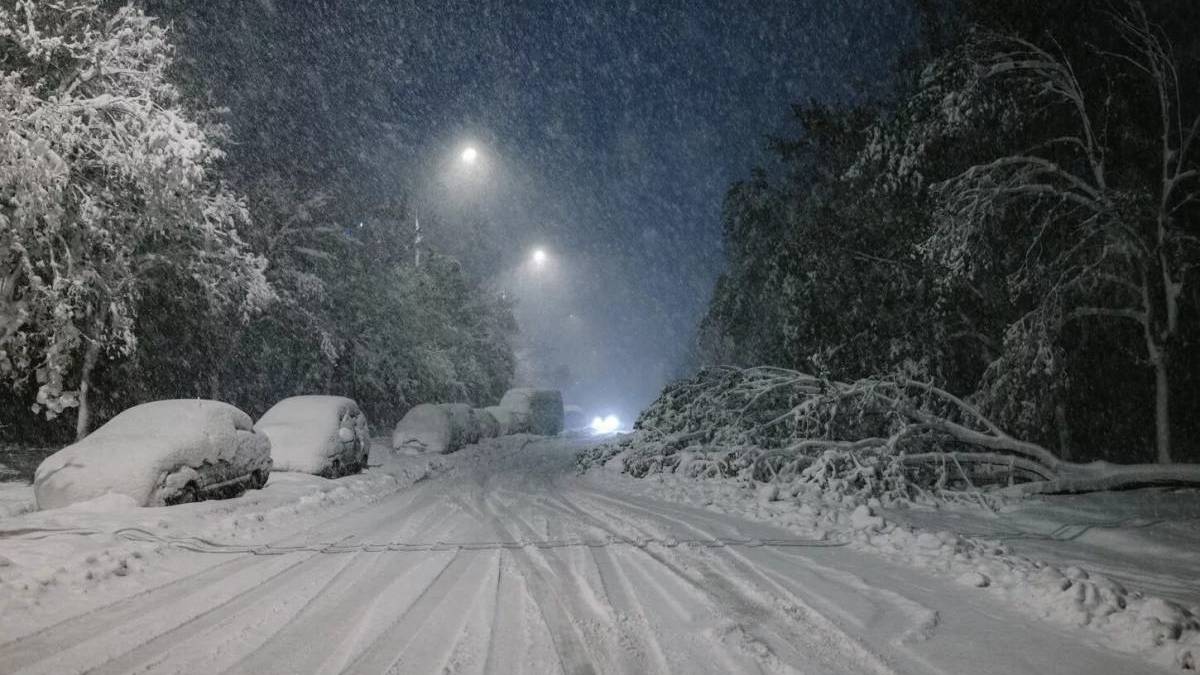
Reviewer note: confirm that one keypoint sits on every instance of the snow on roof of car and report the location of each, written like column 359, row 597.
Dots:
column 304, row 431
column 130, row 452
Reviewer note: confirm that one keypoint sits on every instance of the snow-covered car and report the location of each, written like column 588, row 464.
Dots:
column 322, row 435
column 160, row 453
column 489, row 426
column 464, row 427
column 574, row 418
column 436, row 428
column 504, row 420
column 537, row 411
column 425, row 428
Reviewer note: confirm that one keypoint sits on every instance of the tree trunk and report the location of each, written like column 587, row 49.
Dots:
column 1064, row 431
column 84, row 421
column 1162, row 409
column 214, row 384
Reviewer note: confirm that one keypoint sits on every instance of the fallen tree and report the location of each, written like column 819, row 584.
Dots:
column 893, row 438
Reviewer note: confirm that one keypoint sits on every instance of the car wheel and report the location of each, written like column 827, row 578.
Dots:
column 258, row 479
column 188, row 494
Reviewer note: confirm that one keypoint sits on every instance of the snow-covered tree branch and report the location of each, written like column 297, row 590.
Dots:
column 1093, row 241
column 102, row 173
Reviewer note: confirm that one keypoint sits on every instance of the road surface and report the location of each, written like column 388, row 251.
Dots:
column 511, row 563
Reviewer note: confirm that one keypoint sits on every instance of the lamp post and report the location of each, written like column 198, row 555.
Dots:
column 468, row 157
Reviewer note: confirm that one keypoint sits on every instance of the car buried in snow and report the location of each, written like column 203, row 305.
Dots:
column 322, row 435
column 159, row 454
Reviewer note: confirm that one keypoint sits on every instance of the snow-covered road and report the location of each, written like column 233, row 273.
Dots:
column 510, row 563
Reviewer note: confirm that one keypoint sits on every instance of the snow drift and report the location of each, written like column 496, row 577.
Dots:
column 322, row 435
column 159, row 453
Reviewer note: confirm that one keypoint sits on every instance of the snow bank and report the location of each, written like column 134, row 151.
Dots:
column 155, row 452
column 16, row 498
column 540, row 409
column 424, row 429
column 323, row 435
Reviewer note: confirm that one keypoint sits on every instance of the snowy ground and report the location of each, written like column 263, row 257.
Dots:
column 503, row 560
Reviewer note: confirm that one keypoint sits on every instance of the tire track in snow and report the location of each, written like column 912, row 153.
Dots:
column 967, row 635
column 690, row 608
column 216, row 639
column 411, row 639
column 573, row 626
column 111, row 631
column 375, row 585
column 376, row 627
column 906, row 620
column 793, row 616
column 522, row 642
column 658, row 625
column 60, row 657
column 710, row 608
column 467, row 652
column 28, row 648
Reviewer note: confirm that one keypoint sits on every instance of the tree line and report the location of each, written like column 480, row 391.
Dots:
column 138, row 261
column 1019, row 225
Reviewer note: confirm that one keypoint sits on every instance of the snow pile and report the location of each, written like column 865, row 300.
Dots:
column 537, row 411
column 323, row 435
column 154, row 452
column 16, row 498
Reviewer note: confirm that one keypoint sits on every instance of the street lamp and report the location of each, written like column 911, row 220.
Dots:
column 539, row 257
column 468, row 157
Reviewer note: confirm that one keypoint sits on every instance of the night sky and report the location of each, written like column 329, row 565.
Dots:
column 609, row 131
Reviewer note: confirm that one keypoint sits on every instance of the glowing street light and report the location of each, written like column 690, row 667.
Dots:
column 539, row 257
column 469, row 155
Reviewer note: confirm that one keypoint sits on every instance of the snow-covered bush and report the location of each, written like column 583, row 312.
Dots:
column 323, row 435
column 542, row 408
column 159, row 453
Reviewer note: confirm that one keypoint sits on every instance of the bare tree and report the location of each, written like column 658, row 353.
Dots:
column 1096, row 251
